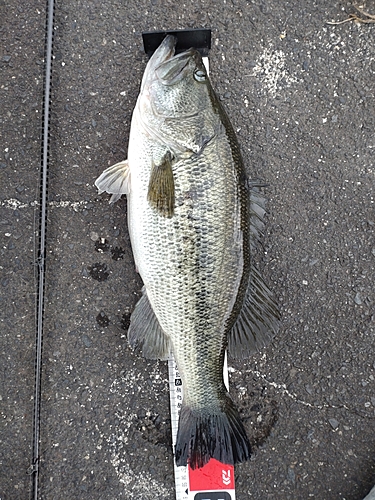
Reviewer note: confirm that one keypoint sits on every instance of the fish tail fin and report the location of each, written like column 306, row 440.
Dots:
column 204, row 434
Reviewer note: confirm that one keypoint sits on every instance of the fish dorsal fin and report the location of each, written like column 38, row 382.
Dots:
column 257, row 212
column 258, row 320
column 145, row 334
column 161, row 187
column 115, row 180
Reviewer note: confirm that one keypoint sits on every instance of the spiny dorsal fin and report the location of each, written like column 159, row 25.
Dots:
column 257, row 212
column 115, row 180
column 161, row 187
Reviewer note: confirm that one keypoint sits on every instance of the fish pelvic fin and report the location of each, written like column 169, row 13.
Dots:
column 203, row 435
column 161, row 192
column 145, row 335
column 115, row 180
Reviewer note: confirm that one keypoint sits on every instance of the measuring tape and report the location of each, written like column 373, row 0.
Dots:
column 214, row 481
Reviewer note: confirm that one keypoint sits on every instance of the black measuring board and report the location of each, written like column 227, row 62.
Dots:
column 213, row 495
column 197, row 38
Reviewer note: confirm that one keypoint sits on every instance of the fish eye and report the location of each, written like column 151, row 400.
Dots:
column 199, row 75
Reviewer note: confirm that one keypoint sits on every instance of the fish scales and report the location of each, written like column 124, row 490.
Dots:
column 190, row 267
column 189, row 207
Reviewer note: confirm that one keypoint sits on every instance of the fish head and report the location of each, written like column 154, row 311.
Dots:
column 167, row 69
column 175, row 96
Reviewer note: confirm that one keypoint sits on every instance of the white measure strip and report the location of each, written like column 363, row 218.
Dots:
column 176, row 394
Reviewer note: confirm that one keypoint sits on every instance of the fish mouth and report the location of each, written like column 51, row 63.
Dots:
column 167, row 67
column 164, row 52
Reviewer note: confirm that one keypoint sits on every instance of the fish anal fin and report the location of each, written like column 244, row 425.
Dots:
column 258, row 320
column 115, row 180
column 145, row 334
column 161, row 193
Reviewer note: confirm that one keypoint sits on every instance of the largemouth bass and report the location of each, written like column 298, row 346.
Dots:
column 193, row 220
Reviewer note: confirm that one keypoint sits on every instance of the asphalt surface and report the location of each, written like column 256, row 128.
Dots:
column 300, row 94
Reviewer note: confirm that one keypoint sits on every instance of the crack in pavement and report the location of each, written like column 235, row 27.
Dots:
column 284, row 390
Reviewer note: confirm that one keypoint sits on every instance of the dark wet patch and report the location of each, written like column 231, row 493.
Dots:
column 98, row 271
column 262, row 429
column 125, row 321
column 259, row 414
column 102, row 245
column 153, row 428
column 102, row 319
column 117, row 253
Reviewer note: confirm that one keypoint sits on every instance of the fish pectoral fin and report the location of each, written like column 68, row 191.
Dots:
column 115, row 180
column 161, row 187
column 258, row 320
column 145, row 334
